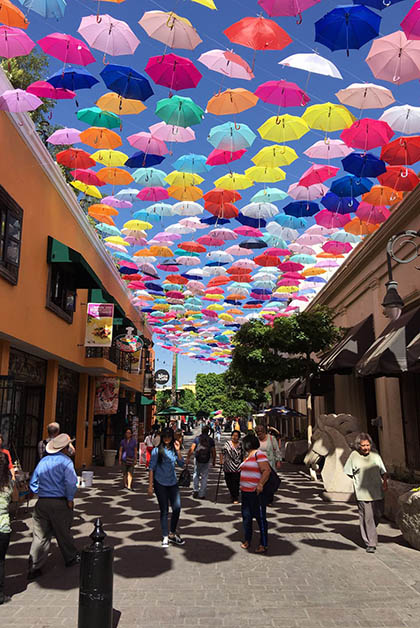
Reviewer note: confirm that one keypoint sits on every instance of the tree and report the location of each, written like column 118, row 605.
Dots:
column 215, row 392
column 163, row 400
column 185, row 399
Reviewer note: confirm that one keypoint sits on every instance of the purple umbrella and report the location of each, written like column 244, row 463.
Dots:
column 64, row 137
column 17, row 101
column 14, row 42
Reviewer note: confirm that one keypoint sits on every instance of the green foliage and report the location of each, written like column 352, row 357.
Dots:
column 215, row 392
column 163, row 400
column 185, row 399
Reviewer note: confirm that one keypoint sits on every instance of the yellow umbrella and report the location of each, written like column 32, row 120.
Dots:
column 287, row 289
column 231, row 101
column 183, row 178
column 216, row 307
column 274, row 156
column 226, row 317
column 185, row 193
column 261, row 174
column 112, row 158
column 100, row 137
column 136, row 225
column 214, row 297
column 89, row 190
column 163, row 307
column 121, row 106
column 115, row 176
column 117, row 240
column 233, row 181
column 283, row 128
column 328, row 117
column 161, row 251
column 206, row 3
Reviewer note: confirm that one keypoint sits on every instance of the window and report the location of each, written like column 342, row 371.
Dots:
column 61, row 297
column 11, row 216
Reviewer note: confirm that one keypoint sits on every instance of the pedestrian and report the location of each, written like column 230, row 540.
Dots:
column 127, row 457
column 255, row 471
column 6, row 490
column 370, row 480
column 218, row 432
column 270, row 446
column 152, row 440
column 6, row 452
column 179, row 436
column 231, row 457
column 53, row 430
column 203, row 449
column 162, row 480
column 55, row 482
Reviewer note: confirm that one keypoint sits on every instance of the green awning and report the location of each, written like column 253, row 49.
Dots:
column 144, row 401
column 102, row 296
column 73, row 262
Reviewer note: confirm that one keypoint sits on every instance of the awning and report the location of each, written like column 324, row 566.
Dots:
column 145, row 401
column 320, row 384
column 346, row 354
column 388, row 356
column 102, row 296
column 73, row 262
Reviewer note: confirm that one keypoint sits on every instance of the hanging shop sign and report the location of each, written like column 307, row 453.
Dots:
column 107, row 394
column 161, row 377
column 129, row 342
column 100, row 317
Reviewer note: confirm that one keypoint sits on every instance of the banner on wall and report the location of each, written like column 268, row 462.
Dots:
column 100, row 317
column 136, row 361
column 107, row 393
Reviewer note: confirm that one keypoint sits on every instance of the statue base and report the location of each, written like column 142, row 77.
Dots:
column 329, row 496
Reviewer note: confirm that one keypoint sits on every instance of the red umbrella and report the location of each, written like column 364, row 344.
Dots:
column 87, row 176
column 267, row 260
column 372, row 214
column 227, row 210
column 173, row 71
column 192, row 247
column 402, row 151
column 75, row 158
column 219, row 196
column 179, row 279
column 282, row 93
column 367, row 133
column 214, row 290
column 258, row 33
column 291, row 266
column 317, row 173
column 220, row 157
column 218, row 281
column 399, row 178
column 209, row 241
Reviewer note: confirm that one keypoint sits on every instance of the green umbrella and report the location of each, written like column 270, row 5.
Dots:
column 179, row 111
column 172, row 410
column 96, row 117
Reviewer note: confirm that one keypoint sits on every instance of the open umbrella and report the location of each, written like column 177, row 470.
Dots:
column 411, row 24
column 399, row 178
column 109, row 157
column 394, row 58
column 18, row 100
column 143, row 160
column 11, row 15
column 351, row 186
column 328, row 117
column 363, row 165
column 227, row 63
column 173, row 71
column 14, row 42
column 365, row 96
column 119, row 105
column 367, row 134
column 274, row 156
column 64, row 136
column 66, row 48
column 283, row 128
column 339, row 204
column 231, row 101
column 328, row 149
column 171, row 133
column 277, row 8
column 402, row 151
column 96, row 117
column 302, row 192
column 73, row 79
column 42, row 89
column 147, row 143
column 404, row 119
column 171, row 29
column 100, row 137
column 109, row 35
column 312, row 63
column 317, row 173
column 347, row 26
column 282, row 93
column 179, row 110
column 195, row 164
column 258, row 33
column 126, row 82
column 115, row 176
column 75, row 158
column 85, row 175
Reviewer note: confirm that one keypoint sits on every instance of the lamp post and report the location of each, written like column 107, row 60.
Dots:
column 392, row 302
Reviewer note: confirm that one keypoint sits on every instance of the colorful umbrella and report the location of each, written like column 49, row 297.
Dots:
column 411, row 24
column 66, row 48
column 277, row 8
column 110, row 157
column 367, row 134
column 179, row 110
column 231, row 136
column 258, row 33
column 46, row 8
column 231, row 101
column 85, row 175
column 282, row 93
column 348, row 26
column 274, row 156
column 328, row 149
column 171, row 29
column 402, row 151
column 147, row 143
column 365, row 96
column 283, row 128
column 317, row 173
column 64, row 136
column 227, row 63
column 328, row 117
column 126, row 82
column 42, row 89
column 111, row 36
column 115, row 176
column 381, row 195
column 96, row 117
column 11, row 15
column 14, row 42
column 312, row 63
column 399, row 178
column 72, row 79
column 363, row 165
column 100, row 137
column 121, row 106
column 173, row 71
column 350, row 186
column 18, row 101
column 394, row 58
column 403, row 119
column 171, row 133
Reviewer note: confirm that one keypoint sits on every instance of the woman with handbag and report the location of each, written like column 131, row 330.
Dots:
column 255, row 472
column 270, row 446
column 127, row 457
column 6, row 489
column 231, row 457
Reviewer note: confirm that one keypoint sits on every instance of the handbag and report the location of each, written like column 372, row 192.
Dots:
column 184, row 478
column 271, row 486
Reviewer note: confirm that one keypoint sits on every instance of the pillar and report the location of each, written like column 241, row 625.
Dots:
column 51, row 385
column 4, row 357
column 90, row 411
column 82, row 415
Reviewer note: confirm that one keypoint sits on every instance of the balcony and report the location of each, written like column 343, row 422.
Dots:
column 121, row 359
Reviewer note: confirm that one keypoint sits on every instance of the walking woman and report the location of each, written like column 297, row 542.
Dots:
column 255, row 471
column 6, row 490
column 127, row 456
column 270, row 446
column 152, row 440
column 162, row 481
column 231, row 457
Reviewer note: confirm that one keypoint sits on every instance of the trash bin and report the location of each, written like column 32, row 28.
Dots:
column 87, row 478
column 109, row 457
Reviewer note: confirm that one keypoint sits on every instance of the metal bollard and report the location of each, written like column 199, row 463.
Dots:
column 96, row 576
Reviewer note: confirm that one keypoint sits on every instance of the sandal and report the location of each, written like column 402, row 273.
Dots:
column 261, row 549
column 245, row 545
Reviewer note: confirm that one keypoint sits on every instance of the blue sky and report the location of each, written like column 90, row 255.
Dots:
column 210, row 26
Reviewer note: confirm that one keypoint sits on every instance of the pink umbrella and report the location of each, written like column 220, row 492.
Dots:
column 147, row 143
column 173, row 71
column 168, row 268
column 17, row 101
column 111, row 36
column 296, row 247
column 167, row 237
column 67, row 49
column 274, row 250
column 171, row 133
column 292, row 275
column 367, row 134
column 276, row 8
column 14, row 42
column 133, row 241
column 327, row 263
column 337, row 248
column 85, row 175
column 251, row 232
column 116, row 202
column 307, row 193
column 311, row 238
column 328, row 149
column 289, row 282
column 317, row 173
column 46, row 90
column 238, row 251
column 220, row 157
column 64, row 137
column 228, row 63
column 372, row 214
column 395, row 58
column 282, row 93
column 411, row 23
column 291, row 266
column 330, row 220
column 153, row 194
column 209, row 241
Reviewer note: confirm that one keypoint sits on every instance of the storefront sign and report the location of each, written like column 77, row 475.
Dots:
column 136, row 361
column 161, row 377
column 107, row 393
column 99, row 321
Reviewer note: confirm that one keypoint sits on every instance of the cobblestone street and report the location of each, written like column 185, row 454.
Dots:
column 316, row 573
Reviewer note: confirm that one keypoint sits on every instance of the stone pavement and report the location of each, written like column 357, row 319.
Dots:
column 315, row 575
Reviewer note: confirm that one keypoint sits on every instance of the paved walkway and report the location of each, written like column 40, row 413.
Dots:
column 315, row 575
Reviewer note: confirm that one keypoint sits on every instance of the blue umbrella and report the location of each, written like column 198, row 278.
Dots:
column 143, row 160
column 151, row 285
column 73, row 79
column 300, row 209
column 253, row 243
column 231, row 136
column 126, row 82
column 351, row 186
column 347, row 26
column 143, row 214
column 212, row 220
column 377, row 4
column 363, row 165
column 194, row 164
column 125, row 270
column 259, row 223
column 290, row 221
column 46, row 8
column 339, row 204
column 150, row 177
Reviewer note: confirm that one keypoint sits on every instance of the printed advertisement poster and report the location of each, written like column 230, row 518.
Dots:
column 135, row 361
column 99, row 321
column 106, row 398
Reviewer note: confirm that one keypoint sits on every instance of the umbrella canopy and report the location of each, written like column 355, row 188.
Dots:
column 171, row 29
column 70, row 78
column 312, row 63
column 75, row 158
column 347, row 26
column 367, row 134
column 366, row 96
column 18, row 100
column 403, row 119
column 100, row 137
column 402, row 151
column 411, row 24
column 64, row 136
column 42, row 89
column 179, row 110
column 66, row 48
column 96, row 117
column 283, row 128
column 11, row 15
column 275, row 8
column 231, row 101
column 14, row 42
column 109, row 35
column 227, row 63
column 126, row 82
column 394, row 58
column 46, row 8
column 328, row 149
column 258, row 33
column 121, row 106
column 231, row 137
column 282, row 93
column 275, row 155
column 328, row 117
column 173, row 71
column 363, row 165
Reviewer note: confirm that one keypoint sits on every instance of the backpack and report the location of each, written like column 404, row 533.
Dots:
column 202, row 451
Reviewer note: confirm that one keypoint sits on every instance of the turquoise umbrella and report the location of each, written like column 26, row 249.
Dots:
column 46, row 8
column 231, row 136
column 303, row 259
column 269, row 195
column 142, row 214
column 96, row 117
column 150, row 177
column 194, row 164
column 108, row 229
column 179, row 111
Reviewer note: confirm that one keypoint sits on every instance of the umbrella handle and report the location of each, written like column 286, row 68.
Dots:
column 404, row 175
column 396, row 79
column 386, row 3
column 104, row 61
column 299, row 19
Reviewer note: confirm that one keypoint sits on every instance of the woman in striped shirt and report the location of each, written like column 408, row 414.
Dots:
column 255, row 471
column 231, row 458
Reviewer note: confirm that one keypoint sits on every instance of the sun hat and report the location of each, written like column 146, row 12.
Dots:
column 58, row 443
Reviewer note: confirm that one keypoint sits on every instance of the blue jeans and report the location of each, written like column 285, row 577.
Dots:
column 254, row 508
column 201, row 473
column 166, row 495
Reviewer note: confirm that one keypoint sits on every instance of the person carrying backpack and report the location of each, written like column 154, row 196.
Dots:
column 204, row 450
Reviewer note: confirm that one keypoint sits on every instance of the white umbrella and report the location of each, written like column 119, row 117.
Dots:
column 220, row 256
column 403, row 119
column 260, row 210
column 187, row 208
column 159, row 209
column 179, row 229
column 223, row 234
column 282, row 232
column 311, row 239
column 249, row 264
column 328, row 149
column 312, row 63
column 366, row 96
column 144, row 260
column 300, row 248
column 320, row 230
column 186, row 260
column 214, row 271
column 193, row 223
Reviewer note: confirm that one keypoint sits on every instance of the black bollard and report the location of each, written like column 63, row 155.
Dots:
column 96, row 575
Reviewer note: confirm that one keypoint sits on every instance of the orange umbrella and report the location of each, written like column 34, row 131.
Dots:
column 11, row 15
column 143, row 253
column 161, row 251
column 359, row 227
column 381, row 195
column 313, row 271
column 102, row 218
column 231, row 101
column 218, row 281
column 119, row 105
column 103, row 209
column 185, row 193
column 100, row 137
column 115, row 176
column 192, row 247
column 179, row 279
column 324, row 255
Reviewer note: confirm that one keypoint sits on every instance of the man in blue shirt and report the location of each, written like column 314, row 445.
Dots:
column 55, row 482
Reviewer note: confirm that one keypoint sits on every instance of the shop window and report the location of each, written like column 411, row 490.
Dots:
column 61, row 296
column 11, row 216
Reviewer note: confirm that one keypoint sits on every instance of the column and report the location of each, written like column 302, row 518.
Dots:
column 4, row 357
column 51, row 385
column 90, row 411
column 81, row 419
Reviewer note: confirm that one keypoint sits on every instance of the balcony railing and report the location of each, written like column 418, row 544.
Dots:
column 121, row 359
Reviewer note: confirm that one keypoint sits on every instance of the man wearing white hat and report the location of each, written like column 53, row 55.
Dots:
column 54, row 481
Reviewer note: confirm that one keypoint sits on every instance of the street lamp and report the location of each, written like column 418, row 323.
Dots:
column 393, row 303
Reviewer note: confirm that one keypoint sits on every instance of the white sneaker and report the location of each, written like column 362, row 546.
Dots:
column 165, row 541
